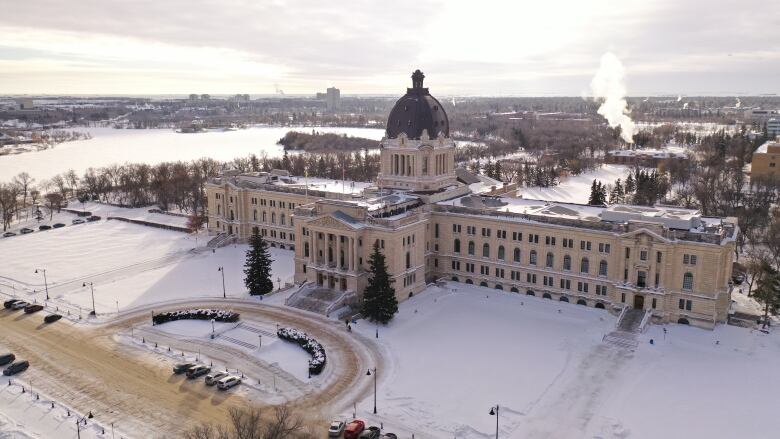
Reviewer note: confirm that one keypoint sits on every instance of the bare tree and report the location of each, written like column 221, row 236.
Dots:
column 24, row 181
column 9, row 202
column 248, row 423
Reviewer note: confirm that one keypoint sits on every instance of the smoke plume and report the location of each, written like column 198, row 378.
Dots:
column 609, row 84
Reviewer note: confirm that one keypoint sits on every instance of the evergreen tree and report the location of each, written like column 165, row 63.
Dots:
column 768, row 293
column 630, row 184
column 497, row 171
column 257, row 267
column 379, row 302
column 488, row 168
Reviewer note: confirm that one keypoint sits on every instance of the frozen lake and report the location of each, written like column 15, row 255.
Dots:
column 153, row 146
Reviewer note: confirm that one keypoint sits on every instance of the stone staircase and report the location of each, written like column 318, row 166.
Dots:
column 628, row 327
column 222, row 239
column 320, row 300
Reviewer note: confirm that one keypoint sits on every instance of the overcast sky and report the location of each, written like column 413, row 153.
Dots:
column 520, row 47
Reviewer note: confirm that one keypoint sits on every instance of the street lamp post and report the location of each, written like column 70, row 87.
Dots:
column 494, row 412
column 369, row 373
column 212, row 328
column 222, row 270
column 279, row 282
column 92, row 289
column 45, row 282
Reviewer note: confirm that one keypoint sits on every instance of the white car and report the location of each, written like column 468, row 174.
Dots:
column 19, row 305
column 213, row 378
column 77, row 221
column 228, row 382
column 336, row 428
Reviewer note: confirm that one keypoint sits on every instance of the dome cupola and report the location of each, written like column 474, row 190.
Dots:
column 417, row 111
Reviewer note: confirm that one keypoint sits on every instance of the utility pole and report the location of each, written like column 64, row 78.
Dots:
column 45, row 282
column 222, row 270
column 92, row 289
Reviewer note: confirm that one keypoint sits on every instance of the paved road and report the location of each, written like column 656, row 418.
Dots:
column 86, row 367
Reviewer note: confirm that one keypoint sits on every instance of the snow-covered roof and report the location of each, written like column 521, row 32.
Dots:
column 764, row 148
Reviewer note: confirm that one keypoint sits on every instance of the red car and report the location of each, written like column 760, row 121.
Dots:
column 354, row 429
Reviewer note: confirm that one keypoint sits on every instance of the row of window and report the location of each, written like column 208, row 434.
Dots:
column 532, row 238
column 532, row 257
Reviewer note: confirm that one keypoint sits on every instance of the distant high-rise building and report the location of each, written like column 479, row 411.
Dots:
column 28, row 104
column 773, row 127
column 333, row 99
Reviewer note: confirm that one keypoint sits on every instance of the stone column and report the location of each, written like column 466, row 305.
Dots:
column 314, row 246
column 357, row 258
column 338, row 251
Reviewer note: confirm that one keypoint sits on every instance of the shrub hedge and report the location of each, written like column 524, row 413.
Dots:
column 196, row 314
column 310, row 345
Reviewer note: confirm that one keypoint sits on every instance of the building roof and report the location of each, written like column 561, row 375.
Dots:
column 417, row 111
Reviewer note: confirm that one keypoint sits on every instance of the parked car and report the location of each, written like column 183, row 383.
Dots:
column 26, row 230
column 43, row 227
column 7, row 358
column 336, row 428
column 16, row 367
column 213, row 378
column 19, row 305
column 93, row 218
column 738, row 278
column 30, row 309
column 77, row 221
column 181, row 368
column 390, row 436
column 9, row 303
column 51, row 318
column 58, row 225
column 197, row 371
column 8, row 234
column 370, row 433
column 353, row 429
column 228, row 382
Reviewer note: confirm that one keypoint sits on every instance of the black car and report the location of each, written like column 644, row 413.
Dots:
column 9, row 303
column 370, row 433
column 93, row 218
column 19, row 366
column 7, row 358
column 8, row 234
column 58, row 225
column 25, row 231
column 32, row 308
column 44, row 227
column 180, row 368
column 51, row 318
column 390, row 436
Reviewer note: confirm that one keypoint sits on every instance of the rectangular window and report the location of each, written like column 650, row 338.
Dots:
column 686, row 259
column 585, row 287
column 436, row 230
column 623, row 297
column 628, row 252
column 625, row 275
column 654, row 303
column 693, row 259
column 582, row 245
column 658, row 257
column 643, row 255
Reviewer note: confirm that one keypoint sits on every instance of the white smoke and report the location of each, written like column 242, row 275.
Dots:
column 738, row 104
column 679, row 98
column 609, row 84
column 685, row 106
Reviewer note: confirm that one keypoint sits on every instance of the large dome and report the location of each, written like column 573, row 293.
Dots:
column 416, row 111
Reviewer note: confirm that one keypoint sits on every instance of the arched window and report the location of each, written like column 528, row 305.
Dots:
column 273, row 217
column 603, row 268
column 584, row 265
column 232, row 217
column 254, row 215
column 688, row 281
column 532, row 257
column 501, row 252
column 517, row 255
column 264, row 217
column 567, row 262
column 282, row 220
column 306, row 249
column 471, row 248
column 408, row 260
column 456, row 246
column 485, row 250
column 550, row 260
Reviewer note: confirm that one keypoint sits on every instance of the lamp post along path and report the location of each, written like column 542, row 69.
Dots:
column 369, row 373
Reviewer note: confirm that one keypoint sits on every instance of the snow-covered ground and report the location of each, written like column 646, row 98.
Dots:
column 459, row 350
column 130, row 265
column 152, row 146
column 30, row 415
column 576, row 189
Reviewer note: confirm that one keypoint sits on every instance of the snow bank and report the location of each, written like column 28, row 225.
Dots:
column 576, row 189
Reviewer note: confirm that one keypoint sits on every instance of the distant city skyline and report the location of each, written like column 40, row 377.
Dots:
column 722, row 47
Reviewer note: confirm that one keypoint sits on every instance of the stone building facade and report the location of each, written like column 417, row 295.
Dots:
column 431, row 224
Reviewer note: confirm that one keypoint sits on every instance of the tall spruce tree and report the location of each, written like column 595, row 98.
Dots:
column 257, row 267
column 379, row 302
column 768, row 293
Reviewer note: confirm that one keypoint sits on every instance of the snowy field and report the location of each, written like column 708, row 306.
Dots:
column 153, row 146
column 456, row 353
column 76, row 252
column 131, row 265
column 576, row 189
